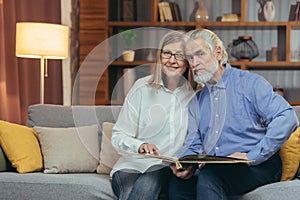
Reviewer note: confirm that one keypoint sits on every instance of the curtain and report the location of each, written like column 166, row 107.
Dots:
column 20, row 77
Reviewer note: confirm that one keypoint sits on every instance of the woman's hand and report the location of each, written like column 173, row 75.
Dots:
column 185, row 173
column 148, row 148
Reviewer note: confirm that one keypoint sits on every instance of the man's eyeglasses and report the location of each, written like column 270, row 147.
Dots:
column 168, row 55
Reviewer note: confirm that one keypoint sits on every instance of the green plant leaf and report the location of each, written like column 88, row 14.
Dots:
column 128, row 37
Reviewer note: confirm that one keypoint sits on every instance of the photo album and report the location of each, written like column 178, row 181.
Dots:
column 189, row 159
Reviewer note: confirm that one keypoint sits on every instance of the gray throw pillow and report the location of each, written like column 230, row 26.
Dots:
column 5, row 165
column 69, row 150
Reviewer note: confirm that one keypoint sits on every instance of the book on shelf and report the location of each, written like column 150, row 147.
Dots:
column 230, row 18
column 169, row 11
column 117, row 15
column 161, row 12
column 294, row 14
column 175, row 11
column 182, row 162
column 143, row 10
column 129, row 10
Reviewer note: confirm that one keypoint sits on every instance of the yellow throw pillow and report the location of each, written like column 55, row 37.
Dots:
column 21, row 147
column 290, row 156
column 108, row 155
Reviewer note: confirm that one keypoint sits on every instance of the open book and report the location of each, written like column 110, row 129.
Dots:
column 190, row 159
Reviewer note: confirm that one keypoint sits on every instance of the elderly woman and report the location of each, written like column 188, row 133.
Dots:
column 153, row 120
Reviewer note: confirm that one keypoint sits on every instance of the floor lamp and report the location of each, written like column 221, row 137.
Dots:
column 43, row 41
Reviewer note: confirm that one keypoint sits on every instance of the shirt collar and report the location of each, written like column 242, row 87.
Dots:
column 226, row 74
column 179, row 88
column 221, row 84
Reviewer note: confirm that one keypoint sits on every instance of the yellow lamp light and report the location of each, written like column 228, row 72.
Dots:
column 43, row 41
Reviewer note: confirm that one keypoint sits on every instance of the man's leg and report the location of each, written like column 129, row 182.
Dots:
column 182, row 189
column 217, row 181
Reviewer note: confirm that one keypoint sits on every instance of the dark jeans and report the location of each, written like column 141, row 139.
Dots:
column 134, row 185
column 217, row 181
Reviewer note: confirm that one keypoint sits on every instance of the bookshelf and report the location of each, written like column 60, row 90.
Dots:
column 282, row 31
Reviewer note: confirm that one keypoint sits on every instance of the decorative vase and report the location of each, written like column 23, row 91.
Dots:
column 201, row 14
column 192, row 15
column 266, row 11
column 150, row 56
column 244, row 48
column 128, row 55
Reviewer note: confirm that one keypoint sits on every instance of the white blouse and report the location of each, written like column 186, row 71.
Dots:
column 156, row 116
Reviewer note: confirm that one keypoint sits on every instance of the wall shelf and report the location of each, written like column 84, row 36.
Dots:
column 134, row 63
column 281, row 30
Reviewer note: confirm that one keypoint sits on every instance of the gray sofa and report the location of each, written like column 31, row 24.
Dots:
column 37, row 185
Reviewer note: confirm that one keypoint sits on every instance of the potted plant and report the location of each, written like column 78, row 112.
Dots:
column 128, row 37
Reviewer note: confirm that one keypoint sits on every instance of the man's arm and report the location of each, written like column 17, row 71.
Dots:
column 281, row 120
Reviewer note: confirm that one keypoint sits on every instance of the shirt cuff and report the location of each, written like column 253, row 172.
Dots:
column 136, row 145
column 256, row 157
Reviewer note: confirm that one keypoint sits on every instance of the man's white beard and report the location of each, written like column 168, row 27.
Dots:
column 208, row 75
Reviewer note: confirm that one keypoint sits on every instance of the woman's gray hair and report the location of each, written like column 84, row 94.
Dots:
column 211, row 39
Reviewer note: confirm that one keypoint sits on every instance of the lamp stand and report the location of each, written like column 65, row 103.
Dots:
column 45, row 47
column 42, row 65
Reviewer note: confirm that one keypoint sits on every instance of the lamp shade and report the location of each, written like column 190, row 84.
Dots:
column 36, row 40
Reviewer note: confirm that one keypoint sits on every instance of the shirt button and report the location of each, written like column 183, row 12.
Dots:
column 217, row 148
column 217, row 115
column 217, row 131
column 216, row 98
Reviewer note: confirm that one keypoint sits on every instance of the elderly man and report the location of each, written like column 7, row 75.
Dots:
column 236, row 114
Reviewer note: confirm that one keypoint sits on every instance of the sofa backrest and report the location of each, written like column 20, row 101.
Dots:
column 60, row 116
column 50, row 115
column 297, row 109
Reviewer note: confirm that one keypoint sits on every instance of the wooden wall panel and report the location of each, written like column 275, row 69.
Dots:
column 93, row 30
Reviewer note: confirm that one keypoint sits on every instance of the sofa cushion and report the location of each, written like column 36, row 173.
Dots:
column 108, row 154
column 40, row 186
column 74, row 149
column 286, row 190
column 21, row 147
column 290, row 156
column 2, row 161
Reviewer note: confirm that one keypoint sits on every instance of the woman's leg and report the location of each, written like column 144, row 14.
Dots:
column 149, row 184
column 123, row 182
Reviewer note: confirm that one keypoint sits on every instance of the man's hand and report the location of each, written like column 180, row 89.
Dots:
column 185, row 173
column 240, row 156
column 148, row 148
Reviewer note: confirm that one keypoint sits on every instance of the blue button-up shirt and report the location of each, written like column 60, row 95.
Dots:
column 240, row 113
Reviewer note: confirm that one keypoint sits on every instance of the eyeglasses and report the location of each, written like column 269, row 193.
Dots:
column 168, row 55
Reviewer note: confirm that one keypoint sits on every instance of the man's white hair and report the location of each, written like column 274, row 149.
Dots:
column 211, row 39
